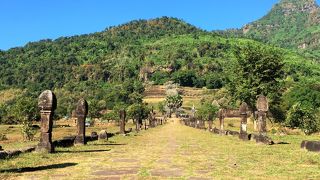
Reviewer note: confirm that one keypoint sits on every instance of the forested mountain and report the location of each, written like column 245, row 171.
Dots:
column 289, row 24
column 109, row 67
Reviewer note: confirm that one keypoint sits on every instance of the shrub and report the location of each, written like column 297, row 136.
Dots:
column 304, row 118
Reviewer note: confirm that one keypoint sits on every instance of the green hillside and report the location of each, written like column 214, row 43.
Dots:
column 290, row 24
column 109, row 67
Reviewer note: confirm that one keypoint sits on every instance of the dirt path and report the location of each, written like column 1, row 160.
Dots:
column 174, row 151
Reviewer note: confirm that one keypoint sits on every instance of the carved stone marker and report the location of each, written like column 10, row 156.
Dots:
column 221, row 115
column 81, row 114
column 243, row 125
column 47, row 103
column 263, row 107
column 103, row 135
column 122, row 121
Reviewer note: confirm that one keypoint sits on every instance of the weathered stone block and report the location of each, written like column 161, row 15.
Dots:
column 244, row 136
column 45, row 144
column 263, row 139
column 313, row 146
column 65, row 142
column 123, row 121
column 3, row 154
column 232, row 133
column 103, row 134
column 13, row 153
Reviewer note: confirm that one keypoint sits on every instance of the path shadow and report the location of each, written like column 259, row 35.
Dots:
column 39, row 168
column 108, row 144
column 84, row 151
column 282, row 143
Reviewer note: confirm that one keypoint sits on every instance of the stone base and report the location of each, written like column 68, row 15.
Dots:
column 313, row 146
column 263, row 139
column 3, row 154
column 45, row 144
column 232, row 133
column 65, row 142
column 244, row 136
column 46, row 148
column 103, row 135
column 80, row 140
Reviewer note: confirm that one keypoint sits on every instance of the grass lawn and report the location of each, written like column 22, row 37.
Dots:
column 170, row 151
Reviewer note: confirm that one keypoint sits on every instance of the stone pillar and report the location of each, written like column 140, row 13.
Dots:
column 81, row 114
column 262, row 107
column 243, row 125
column 221, row 118
column 210, row 122
column 122, row 121
column 137, row 124
column 47, row 103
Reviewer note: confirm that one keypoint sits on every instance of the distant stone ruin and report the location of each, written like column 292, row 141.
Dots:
column 122, row 121
column 81, row 114
column 243, row 125
column 262, row 107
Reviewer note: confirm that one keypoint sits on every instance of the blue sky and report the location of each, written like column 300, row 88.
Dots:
column 23, row 21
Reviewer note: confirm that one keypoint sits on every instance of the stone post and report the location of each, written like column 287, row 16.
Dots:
column 262, row 107
column 210, row 122
column 47, row 103
column 122, row 121
column 81, row 114
column 243, row 125
column 137, row 124
column 221, row 118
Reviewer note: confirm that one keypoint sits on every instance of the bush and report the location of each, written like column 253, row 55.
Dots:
column 28, row 131
column 304, row 118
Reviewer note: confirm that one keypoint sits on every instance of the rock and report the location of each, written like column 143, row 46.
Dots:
column 263, row 139
column 3, row 154
column 94, row 136
column 311, row 145
column 232, row 133
column 13, row 153
column 65, row 142
column 103, row 135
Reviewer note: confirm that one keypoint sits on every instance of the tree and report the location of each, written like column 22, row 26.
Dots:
column 173, row 102
column 259, row 70
column 161, row 108
column 207, row 111
column 138, row 112
column 173, row 98
column 24, row 111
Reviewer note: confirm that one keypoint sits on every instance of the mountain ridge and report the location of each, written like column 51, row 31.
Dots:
column 290, row 24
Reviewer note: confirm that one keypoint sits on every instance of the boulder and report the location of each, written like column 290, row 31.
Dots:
column 311, row 145
column 263, row 139
column 3, row 154
column 103, row 135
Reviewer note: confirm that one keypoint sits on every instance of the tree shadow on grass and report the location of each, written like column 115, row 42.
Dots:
column 282, row 143
column 39, row 168
column 109, row 144
column 84, row 151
